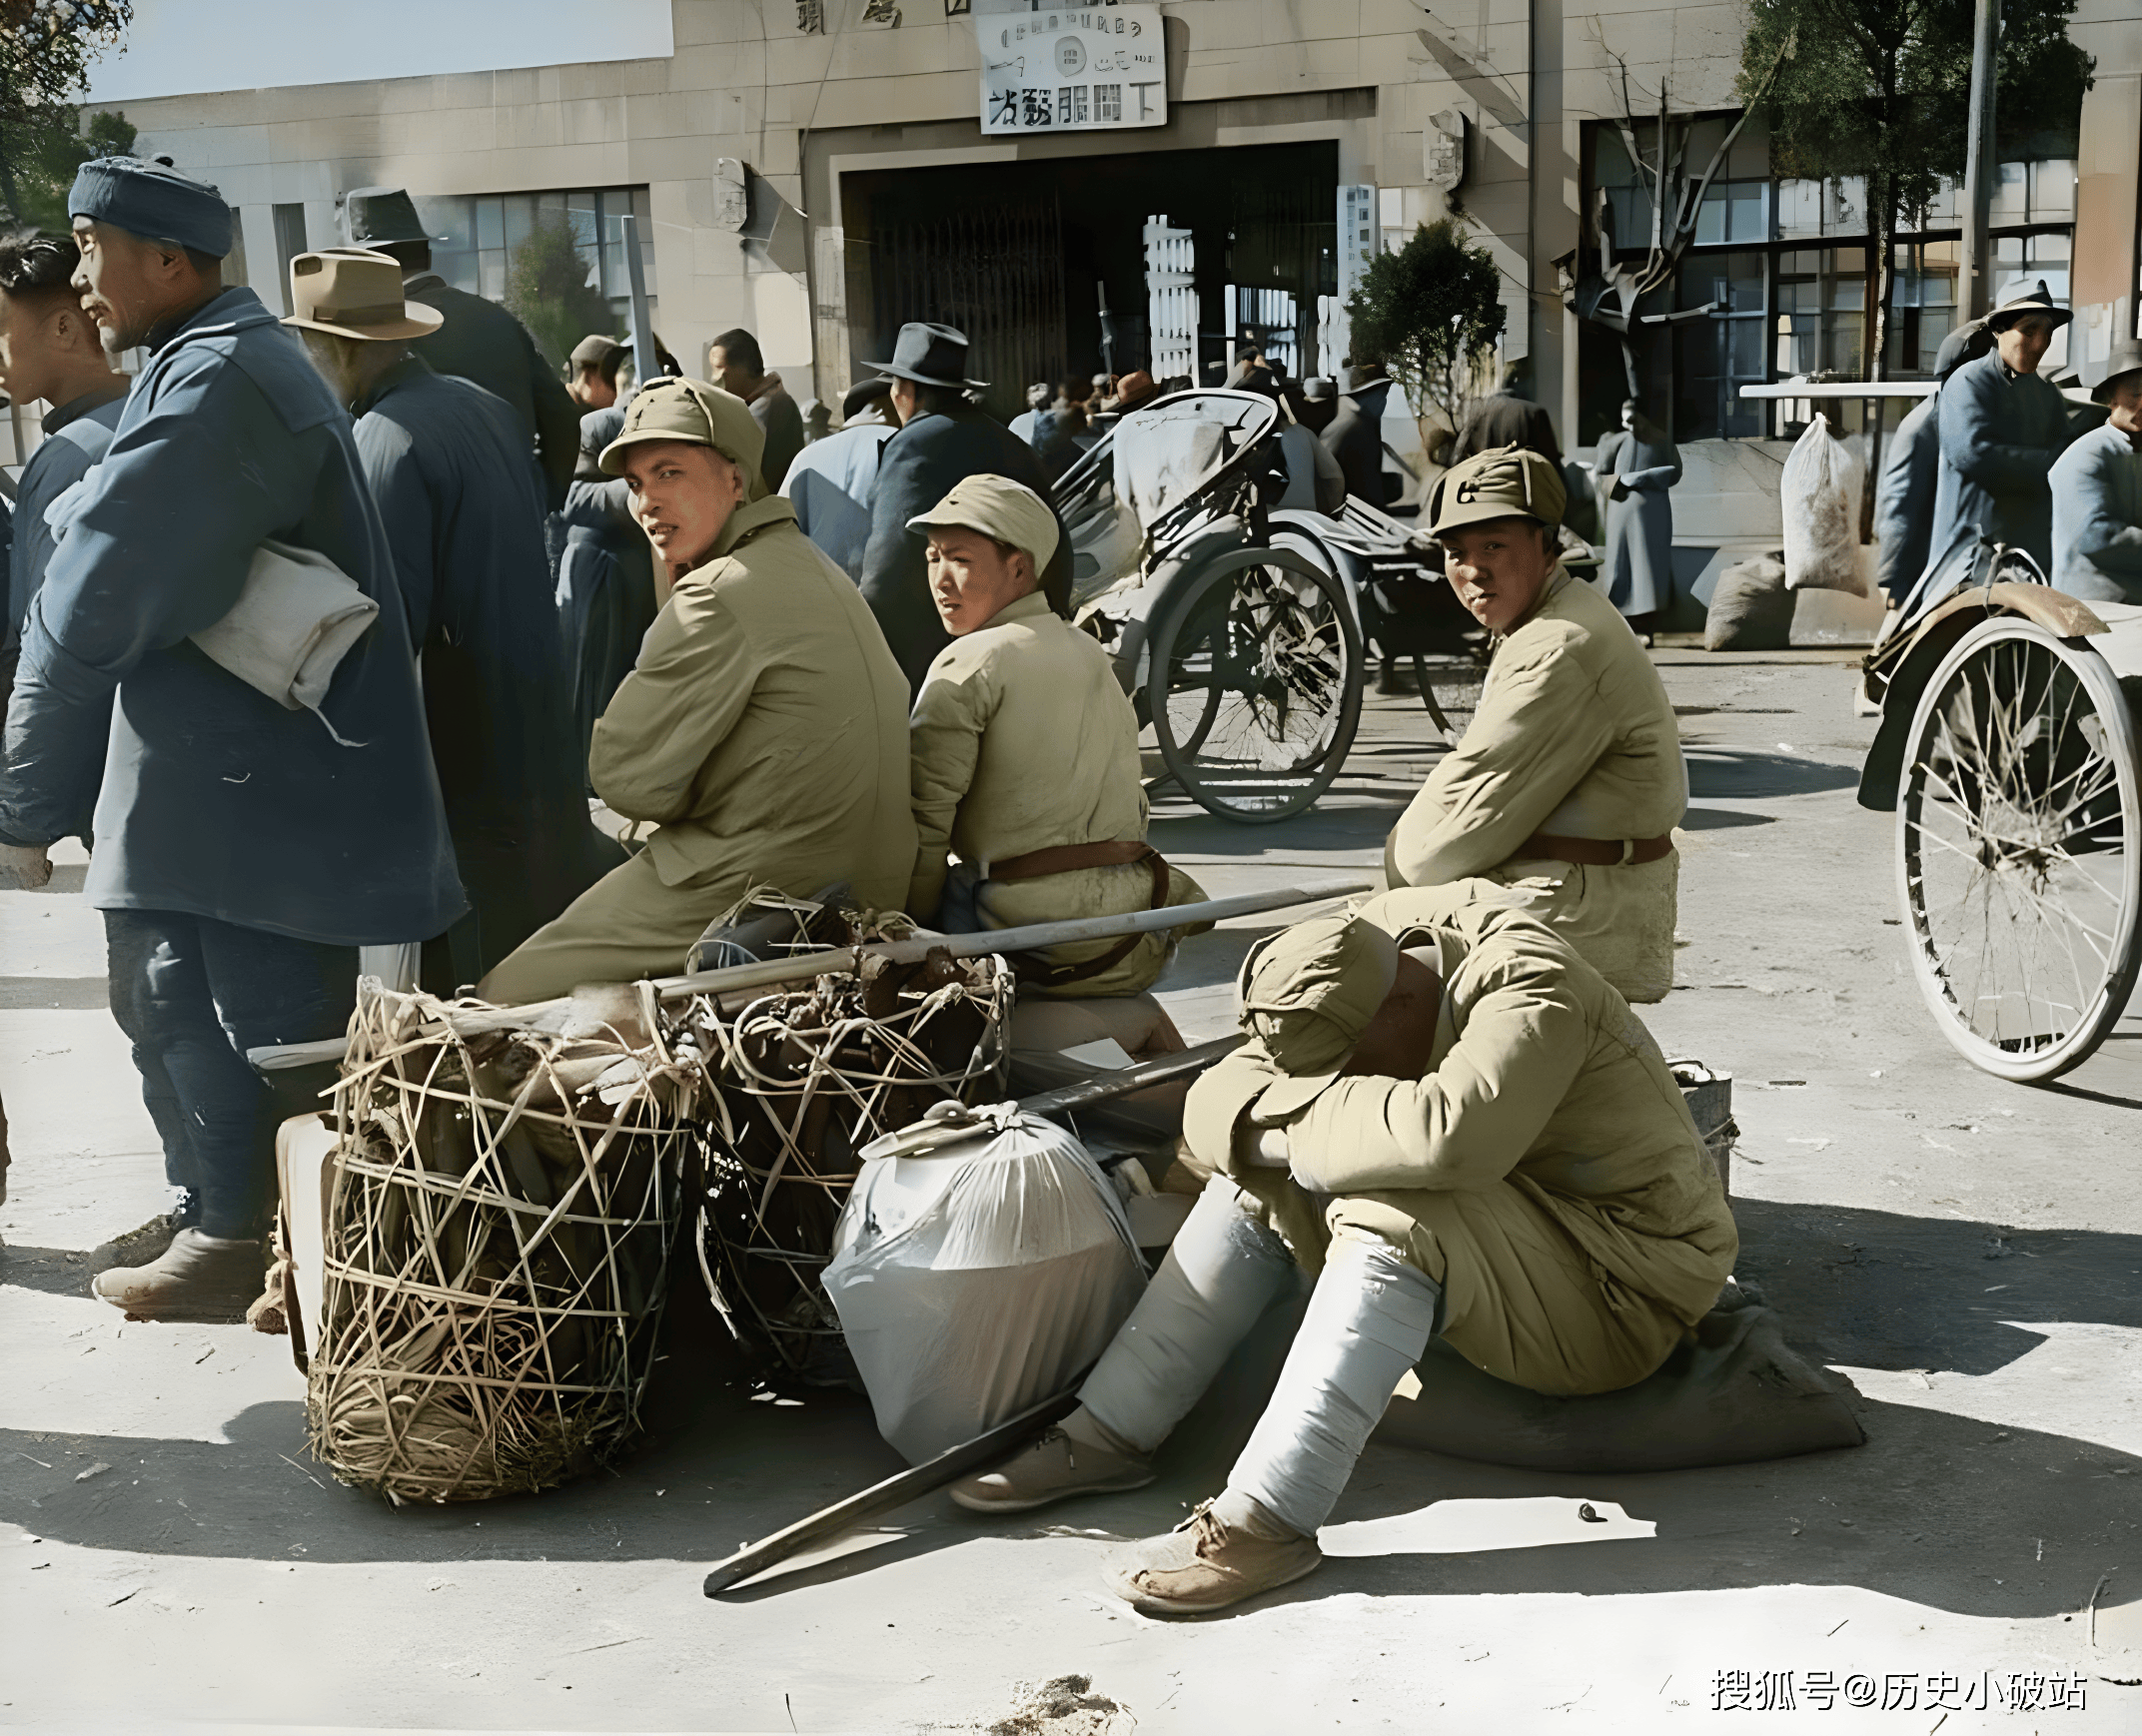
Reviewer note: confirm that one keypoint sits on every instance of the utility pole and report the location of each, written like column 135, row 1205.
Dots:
column 1981, row 168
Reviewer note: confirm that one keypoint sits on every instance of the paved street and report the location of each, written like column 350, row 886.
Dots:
column 1962, row 1252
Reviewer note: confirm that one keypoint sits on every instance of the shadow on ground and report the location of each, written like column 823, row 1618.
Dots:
column 1948, row 1512
column 1731, row 774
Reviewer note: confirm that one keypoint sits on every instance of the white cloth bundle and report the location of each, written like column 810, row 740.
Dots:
column 1821, row 510
column 295, row 619
column 976, row 1278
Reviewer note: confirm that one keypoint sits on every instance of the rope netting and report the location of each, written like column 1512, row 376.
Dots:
column 498, row 1246
column 802, row 1080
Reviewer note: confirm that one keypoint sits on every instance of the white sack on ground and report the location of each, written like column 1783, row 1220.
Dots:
column 1821, row 509
column 975, row 1281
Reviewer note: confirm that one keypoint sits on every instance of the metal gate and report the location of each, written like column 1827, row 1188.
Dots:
column 994, row 272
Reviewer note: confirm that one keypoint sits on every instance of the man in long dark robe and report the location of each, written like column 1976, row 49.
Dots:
column 477, row 339
column 942, row 438
column 462, row 506
column 246, row 847
column 1507, row 417
column 1356, row 434
column 605, row 579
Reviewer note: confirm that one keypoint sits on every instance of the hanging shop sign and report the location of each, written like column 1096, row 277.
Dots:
column 1070, row 69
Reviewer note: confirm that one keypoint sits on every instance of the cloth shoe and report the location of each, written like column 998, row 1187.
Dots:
column 197, row 1278
column 1054, row 1469
column 148, row 1242
column 1207, row 1563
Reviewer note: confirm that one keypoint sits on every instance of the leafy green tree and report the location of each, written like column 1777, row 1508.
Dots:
column 549, row 291
column 46, row 49
column 1431, row 313
column 1881, row 89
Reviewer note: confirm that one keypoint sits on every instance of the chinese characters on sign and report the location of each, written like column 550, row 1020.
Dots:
column 1070, row 69
column 1898, row 1691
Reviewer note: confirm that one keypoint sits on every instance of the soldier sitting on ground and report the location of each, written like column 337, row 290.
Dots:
column 762, row 731
column 1569, row 783
column 1026, row 756
column 1452, row 1122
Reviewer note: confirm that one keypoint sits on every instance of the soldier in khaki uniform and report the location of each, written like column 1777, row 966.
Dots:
column 1462, row 1130
column 1025, row 756
column 1567, row 785
column 762, row 731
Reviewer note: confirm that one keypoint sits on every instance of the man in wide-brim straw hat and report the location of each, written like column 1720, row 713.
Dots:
column 477, row 339
column 942, row 439
column 762, row 734
column 244, row 851
column 448, row 466
column 1568, row 784
column 1461, row 1131
column 2002, row 426
column 2097, row 491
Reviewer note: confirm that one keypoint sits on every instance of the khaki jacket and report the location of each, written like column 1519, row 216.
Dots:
column 762, row 730
column 1022, row 740
column 1547, row 1120
column 1574, row 736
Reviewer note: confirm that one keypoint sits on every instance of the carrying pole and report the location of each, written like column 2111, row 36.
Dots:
column 644, row 367
column 552, row 1015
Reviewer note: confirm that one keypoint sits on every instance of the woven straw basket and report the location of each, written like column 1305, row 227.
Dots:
column 498, row 1245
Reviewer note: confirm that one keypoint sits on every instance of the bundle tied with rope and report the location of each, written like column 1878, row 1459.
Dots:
column 497, row 1243
column 799, row 1080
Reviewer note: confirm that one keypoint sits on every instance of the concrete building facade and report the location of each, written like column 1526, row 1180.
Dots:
column 820, row 170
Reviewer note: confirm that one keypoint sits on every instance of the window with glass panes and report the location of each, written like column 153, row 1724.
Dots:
column 477, row 235
column 1775, row 283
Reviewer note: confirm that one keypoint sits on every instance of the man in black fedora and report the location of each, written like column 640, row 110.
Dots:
column 943, row 439
column 479, row 341
column 2097, row 492
column 2002, row 426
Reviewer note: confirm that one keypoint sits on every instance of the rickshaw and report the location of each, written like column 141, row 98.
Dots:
column 2007, row 751
column 1238, row 629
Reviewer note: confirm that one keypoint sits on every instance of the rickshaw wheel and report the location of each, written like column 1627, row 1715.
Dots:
column 2019, row 849
column 1254, row 689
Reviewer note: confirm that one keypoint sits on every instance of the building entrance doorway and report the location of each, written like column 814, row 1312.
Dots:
column 1023, row 256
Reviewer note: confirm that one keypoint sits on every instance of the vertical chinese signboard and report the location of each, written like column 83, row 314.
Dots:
column 1070, row 69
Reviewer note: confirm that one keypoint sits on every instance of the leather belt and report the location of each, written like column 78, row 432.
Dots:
column 1065, row 859
column 1596, row 852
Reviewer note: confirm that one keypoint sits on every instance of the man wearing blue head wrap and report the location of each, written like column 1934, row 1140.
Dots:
column 243, row 852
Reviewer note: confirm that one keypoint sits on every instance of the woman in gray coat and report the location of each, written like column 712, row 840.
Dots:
column 1637, row 465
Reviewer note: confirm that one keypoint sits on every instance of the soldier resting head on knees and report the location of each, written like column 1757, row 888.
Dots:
column 1450, row 1122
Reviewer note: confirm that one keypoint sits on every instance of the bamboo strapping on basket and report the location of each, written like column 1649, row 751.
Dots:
column 802, row 1081
column 496, row 1250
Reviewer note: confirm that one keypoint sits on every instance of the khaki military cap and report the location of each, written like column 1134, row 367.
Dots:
column 1508, row 482
column 1000, row 508
column 1308, row 993
column 695, row 413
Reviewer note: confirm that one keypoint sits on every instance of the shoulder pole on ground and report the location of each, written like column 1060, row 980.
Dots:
column 551, row 1016
column 921, row 1479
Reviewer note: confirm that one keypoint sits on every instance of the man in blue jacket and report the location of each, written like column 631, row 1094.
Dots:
column 1911, row 472
column 243, row 850
column 49, row 351
column 2002, row 426
column 2097, row 492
